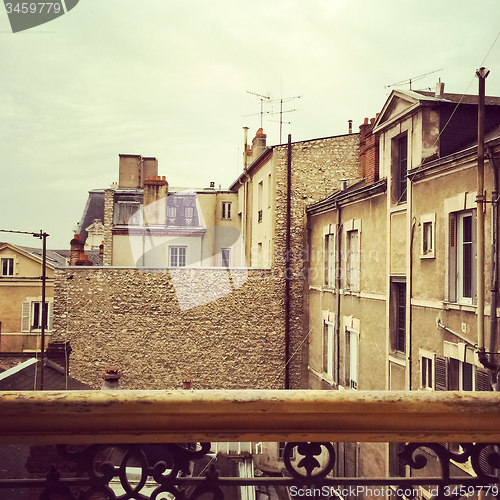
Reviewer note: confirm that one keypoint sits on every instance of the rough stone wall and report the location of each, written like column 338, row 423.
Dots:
column 223, row 333
column 109, row 199
column 317, row 166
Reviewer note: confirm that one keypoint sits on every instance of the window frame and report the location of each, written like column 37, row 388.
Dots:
column 121, row 213
column 353, row 260
column 177, row 248
column 10, row 264
column 352, row 357
column 226, row 210
column 400, row 167
column 428, row 230
column 28, row 315
column 329, row 349
column 228, row 259
column 329, row 256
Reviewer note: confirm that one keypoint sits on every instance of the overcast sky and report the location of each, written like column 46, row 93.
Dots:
column 170, row 79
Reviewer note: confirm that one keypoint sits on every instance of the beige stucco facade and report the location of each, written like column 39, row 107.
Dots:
column 20, row 290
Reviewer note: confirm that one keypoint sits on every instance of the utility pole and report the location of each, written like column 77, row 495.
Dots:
column 43, row 236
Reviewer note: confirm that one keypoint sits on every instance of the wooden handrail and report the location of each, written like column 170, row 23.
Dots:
column 84, row 417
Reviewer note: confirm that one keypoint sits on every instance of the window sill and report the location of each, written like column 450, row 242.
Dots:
column 457, row 306
column 353, row 293
column 429, row 255
column 398, row 358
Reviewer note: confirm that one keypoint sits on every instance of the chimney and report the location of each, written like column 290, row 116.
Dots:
column 111, row 379
column 258, row 144
column 350, row 126
column 186, row 383
column 368, row 151
column 439, row 90
column 77, row 246
column 84, row 260
column 155, row 200
column 101, row 249
column 58, row 352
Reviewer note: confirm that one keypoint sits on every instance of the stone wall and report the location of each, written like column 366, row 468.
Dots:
column 223, row 329
column 317, row 167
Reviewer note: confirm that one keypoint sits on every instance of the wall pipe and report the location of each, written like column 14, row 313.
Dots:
column 288, row 276
column 481, row 73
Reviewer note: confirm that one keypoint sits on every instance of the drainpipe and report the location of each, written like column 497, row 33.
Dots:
column 338, row 282
column 287, row 258
column 481, row 73
column 491, row 365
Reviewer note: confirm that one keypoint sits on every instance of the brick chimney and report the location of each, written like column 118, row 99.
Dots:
column 155, row 200
column 84, row 260
column 77, row 246
column 111, row 379
column 368, row 152
column 258, row 144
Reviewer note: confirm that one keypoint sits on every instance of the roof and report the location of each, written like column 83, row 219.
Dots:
column 456, row 98
column 25, row 376
column 61, row 257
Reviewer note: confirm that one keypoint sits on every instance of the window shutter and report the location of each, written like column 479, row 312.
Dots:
column 482, row 380
column 50, row 316
column 452, row 264
column 25, row 317
column 441, row 375
column 350, row 459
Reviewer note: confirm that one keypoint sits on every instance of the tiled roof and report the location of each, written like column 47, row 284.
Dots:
column 26, row 377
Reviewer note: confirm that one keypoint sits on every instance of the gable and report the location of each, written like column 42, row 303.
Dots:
column 25, row 264
column 396, row 106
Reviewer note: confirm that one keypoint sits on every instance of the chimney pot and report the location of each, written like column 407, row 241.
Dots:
column 366, row 121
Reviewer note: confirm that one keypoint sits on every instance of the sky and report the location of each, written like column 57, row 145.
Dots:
column 172, row 79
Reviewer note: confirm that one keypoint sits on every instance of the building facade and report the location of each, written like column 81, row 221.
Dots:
column 393, row 295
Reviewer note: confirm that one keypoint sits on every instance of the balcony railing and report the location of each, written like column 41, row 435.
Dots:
column 309, row 421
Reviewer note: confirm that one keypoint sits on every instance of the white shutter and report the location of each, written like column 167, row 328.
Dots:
column 50, row 316
column 25, row 317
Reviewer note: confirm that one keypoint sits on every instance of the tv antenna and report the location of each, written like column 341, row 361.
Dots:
column 411, row 80
column 262, row 98
column 268, row 99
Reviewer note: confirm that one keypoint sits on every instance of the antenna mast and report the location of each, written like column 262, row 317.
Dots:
column 414, row 79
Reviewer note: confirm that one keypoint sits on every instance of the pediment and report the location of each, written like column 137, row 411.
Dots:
column 397, row 105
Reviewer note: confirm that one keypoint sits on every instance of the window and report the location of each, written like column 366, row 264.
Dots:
column 269, row 190
column 426, row 372
column 31, row 316
column 399, row 159
column 225, row 257
column 260, row 189
column 188, row 212
column 127, row 214
column 8, row 267
column 171, row 212
column 399, row 289
column 457, row 371
column 259, row 216
column 177, row 256
column 329, row 256
column 329, row 351
column 353, row 262
column 226, row 210
column 427, row 242
column 462, row 257
column 352, row 358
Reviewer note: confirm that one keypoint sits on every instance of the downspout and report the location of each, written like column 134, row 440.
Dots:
column 410, row 293
column 481, row 73
column 287, row 259
column 494, row 271
column 338, row 282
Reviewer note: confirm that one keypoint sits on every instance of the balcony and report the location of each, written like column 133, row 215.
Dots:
column 129, row 422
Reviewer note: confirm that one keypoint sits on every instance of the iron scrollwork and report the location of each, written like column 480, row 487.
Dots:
column 163, row 471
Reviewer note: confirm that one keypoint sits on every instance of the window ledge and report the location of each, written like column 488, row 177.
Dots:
column 457, row 306
column 354, row 293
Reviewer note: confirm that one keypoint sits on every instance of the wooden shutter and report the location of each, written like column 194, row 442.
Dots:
column 25, row 317
column 50, row 316
column 441, row 373
column 350, row 459
column 482, row 380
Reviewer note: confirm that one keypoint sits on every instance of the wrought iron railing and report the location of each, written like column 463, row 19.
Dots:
column 137, row 466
